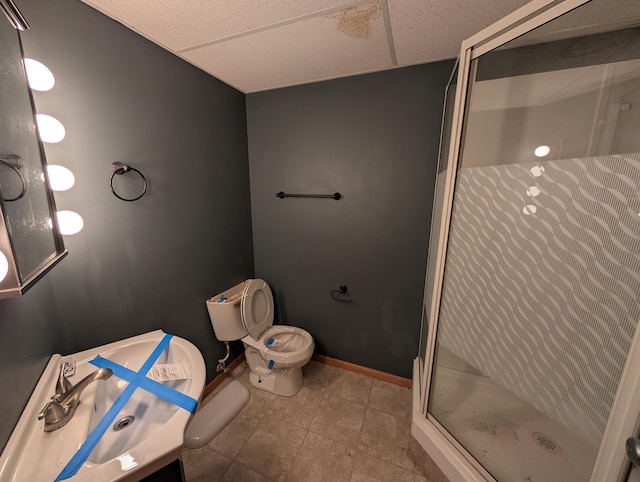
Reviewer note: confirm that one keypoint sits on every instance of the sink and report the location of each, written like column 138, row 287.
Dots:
column 145, row 431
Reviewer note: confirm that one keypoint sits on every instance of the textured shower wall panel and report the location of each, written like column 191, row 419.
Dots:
column 542, row 281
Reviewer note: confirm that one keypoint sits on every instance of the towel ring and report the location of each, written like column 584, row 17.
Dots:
column 119, row 168
column 16, row 163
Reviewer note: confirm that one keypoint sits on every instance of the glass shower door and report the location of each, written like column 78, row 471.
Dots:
column 436, row 219
column 539, row 300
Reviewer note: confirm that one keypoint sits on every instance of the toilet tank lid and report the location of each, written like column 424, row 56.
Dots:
column 211, row 418
column 256, row 307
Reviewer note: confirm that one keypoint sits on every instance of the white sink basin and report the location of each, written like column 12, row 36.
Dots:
column 153, row 432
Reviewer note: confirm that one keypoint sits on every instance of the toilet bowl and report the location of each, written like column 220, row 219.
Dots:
column 275, row 354
column 276, row 358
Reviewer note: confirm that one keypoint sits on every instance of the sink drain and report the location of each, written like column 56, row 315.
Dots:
column 123, row 423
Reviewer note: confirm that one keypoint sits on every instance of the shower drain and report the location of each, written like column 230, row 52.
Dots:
column 546, row 442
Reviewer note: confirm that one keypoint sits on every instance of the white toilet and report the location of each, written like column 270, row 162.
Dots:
column 275, row 354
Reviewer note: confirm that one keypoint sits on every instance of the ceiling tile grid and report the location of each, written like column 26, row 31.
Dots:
column 259, row 45
column 317, row 48
column 184, row 24
column 434, row 29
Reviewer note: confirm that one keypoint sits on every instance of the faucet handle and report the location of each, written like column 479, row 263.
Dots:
column 52, row 410
column 63, row 385
column 63, row 404
column 55, row 415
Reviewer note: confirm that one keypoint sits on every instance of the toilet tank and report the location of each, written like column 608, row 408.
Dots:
column 224, row 312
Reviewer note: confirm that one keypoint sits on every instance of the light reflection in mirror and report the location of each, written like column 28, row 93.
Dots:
column 60, row 178
column 69, row 222
column 38, row 75
column 542, row 151
column 51, row 129
column 4, row 266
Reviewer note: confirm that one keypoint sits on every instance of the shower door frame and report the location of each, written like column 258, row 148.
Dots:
column 452, row 458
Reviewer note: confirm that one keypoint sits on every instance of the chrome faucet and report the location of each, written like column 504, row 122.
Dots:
column 64, row 402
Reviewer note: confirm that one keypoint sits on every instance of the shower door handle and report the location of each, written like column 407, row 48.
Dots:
column 633, row 450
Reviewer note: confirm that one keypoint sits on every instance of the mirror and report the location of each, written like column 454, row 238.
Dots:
column 30, row 240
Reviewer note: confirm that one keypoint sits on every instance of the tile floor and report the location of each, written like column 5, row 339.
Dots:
column 341, row 426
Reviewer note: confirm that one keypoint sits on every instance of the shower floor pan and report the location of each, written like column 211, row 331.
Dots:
column 511, row 439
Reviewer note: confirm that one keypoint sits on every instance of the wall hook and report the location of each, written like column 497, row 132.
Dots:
column 341, row 294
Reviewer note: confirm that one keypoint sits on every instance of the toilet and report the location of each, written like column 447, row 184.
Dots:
column 275, row 354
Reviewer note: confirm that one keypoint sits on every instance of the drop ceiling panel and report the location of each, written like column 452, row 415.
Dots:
column 434, row 30
column 184, row 24
column 343, row 43
column 257, row 45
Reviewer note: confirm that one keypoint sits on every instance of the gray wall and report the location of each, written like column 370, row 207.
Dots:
column 137, row 266
column 373, row 138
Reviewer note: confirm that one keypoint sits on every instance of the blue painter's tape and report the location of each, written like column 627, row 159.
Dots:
column 270, row 341
column 96, row 434
column 271, row 363
column 82, row 454
column 169, row 394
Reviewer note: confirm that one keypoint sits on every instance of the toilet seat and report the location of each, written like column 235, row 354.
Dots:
column 285, row 345
column 280, row 344
column 256, row 307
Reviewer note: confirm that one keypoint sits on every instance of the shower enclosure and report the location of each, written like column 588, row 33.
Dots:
column 529, row 363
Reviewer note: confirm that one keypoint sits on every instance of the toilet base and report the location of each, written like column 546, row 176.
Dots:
column 281, row 383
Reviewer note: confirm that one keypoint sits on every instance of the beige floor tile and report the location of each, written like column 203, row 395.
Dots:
column 375, row 468
column 260, row 399
column 333, row 431
column 386, row 437
column 377, row 447
column 341, row 426
column 287, row 433
column 352, row 386
column 299, row 409
column 402, row 458
column 240, row 473
column 311, row 466
column 235, row 435
column 205, row 464
column 324, row 447
column 290, row 415
column 425, row 466
column 319, row 376
column 306, row 400
column 272, row 449
column 390, row 398
column 360, row 477
column 394, row 429
column 342, row 412
column 381, row 425
column 366, row 467
column 403, row 475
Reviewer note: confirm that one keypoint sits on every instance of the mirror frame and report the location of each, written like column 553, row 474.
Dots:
column 13, row 285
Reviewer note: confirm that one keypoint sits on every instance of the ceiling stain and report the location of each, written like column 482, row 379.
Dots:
column 356, row 21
